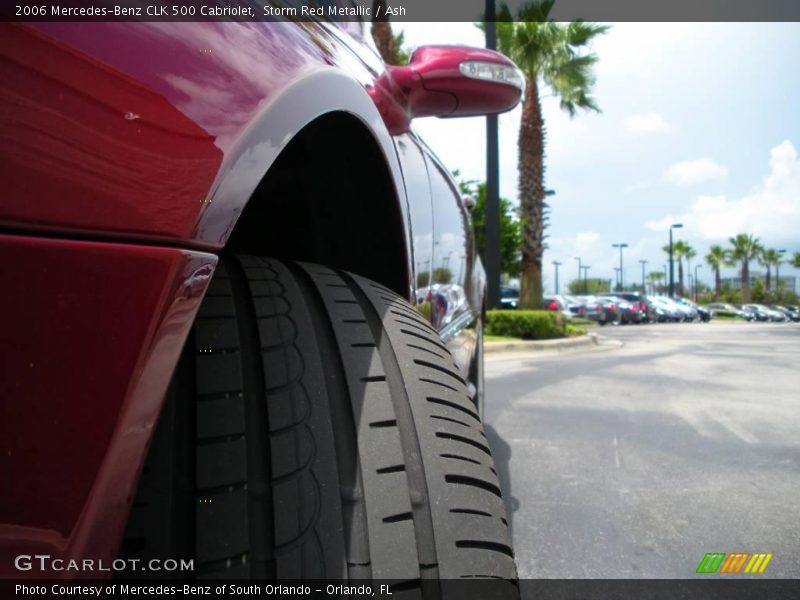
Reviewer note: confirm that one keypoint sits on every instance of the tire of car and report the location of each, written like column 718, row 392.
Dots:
column 317, row 427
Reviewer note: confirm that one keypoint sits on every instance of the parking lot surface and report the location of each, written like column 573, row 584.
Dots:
column 635, row 459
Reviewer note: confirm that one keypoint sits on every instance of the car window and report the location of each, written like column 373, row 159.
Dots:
column 453, row 251
column 415, row 177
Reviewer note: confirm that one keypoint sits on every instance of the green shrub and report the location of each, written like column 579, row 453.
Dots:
column 526, row 324
column 580, row 321
column 723, row 314
column 573, row 330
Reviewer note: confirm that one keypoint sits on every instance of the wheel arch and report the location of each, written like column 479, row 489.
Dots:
column 316, row 178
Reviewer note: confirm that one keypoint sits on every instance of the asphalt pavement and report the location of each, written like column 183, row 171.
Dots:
column 634, row 458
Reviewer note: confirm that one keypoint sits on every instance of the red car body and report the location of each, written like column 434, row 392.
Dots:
column 128, row 155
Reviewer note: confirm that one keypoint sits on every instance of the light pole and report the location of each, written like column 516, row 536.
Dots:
column 644, row 288
column 778, row 274
column 585, row 270
column 621, row 247
column 616, row 277
column 492, row 218
column 446, row 260
column 556, row 264
column 671, row 262
column 580, row 272
column 695, row 280
column 666, row 279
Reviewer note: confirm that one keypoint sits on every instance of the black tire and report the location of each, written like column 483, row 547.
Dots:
column 318, row 428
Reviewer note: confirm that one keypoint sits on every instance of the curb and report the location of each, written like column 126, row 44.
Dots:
column 559, row 345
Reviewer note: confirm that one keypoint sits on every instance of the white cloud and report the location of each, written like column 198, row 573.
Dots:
column 771, row 211
column 650, row 122
column 638, row 186
column 586, row 239
column 587, row 244
column 695, row 172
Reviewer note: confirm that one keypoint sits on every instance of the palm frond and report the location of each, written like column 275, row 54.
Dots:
column 579, row 33
column 571, row 78
column 549, row 51
column 718, row 257
column 745, row 246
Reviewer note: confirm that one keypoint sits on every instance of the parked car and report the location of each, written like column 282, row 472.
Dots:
column 704, row 314
column 688, row 308
column 794, row 311
column 660, row 314
column 787, row 313
column 628, row 312
column 558, row 303
column 723, row 309
column 672, row 312
column 212, row 238
column 638, row 298
column 759, row 314
column 509, row 297
column 596, row 310
column 576, row 305
column 774, row 316
column 609, row 313
column 700, row 313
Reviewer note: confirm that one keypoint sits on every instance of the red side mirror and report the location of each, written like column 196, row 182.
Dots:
column 448, row 81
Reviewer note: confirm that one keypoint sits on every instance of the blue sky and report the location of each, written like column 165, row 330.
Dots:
column 700, row 124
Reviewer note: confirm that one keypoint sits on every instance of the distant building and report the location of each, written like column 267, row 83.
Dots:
column 788, row 282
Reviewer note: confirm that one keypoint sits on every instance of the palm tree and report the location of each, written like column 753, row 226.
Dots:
column 389, row 45
column 795, row 262
column 689, row 253
column 718, row 258
column 744, row 248
column 767, row 258
column 679, row 250
column 548, row 54
column 655, row 277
